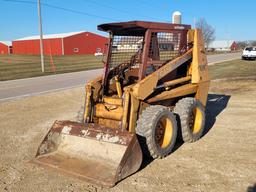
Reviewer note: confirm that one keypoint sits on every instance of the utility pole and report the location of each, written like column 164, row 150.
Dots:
column 41, row 36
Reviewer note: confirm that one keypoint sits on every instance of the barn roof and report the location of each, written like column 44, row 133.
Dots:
column 221, row 44
column 50, row 36
column 8, row 43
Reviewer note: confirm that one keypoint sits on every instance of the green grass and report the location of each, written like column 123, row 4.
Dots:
column 24, row 66
column 232, row 69
column 221, row 52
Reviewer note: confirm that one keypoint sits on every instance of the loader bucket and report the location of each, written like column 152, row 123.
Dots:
column 92, row 152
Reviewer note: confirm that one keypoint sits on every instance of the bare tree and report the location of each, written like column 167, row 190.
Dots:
column 208, row 31
column 242, row 44
column 253, row 43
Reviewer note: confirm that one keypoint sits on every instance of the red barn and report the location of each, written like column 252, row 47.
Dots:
column 234, row 46
column 5, row 47
column 73, row 43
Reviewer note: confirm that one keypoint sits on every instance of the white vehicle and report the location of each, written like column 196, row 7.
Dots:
column 249, row 53
column 98, row 54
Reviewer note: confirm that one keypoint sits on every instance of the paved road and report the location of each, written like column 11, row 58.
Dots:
column 19, row 88
column 212, row 59
column 15, row 89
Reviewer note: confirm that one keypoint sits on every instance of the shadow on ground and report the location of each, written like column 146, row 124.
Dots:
column 252, row 188
column 216, row 103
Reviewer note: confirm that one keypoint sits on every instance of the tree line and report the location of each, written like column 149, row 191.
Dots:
column 209, row 34
column 243, row 44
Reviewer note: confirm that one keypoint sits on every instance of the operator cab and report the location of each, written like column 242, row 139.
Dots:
column 138, row 48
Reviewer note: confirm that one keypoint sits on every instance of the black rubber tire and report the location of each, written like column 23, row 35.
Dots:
column 146, row 131
column 184, row 112
column 80, row 115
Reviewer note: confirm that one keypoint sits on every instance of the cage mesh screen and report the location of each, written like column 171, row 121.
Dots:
column 164, row 46
column 124, row 48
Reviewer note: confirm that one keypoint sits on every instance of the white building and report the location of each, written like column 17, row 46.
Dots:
column 223, row 45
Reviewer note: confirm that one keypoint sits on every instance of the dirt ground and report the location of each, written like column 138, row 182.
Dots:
column 223, row 160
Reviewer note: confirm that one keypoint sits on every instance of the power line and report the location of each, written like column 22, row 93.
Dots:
column 119, row 10
column 63, row 9
column 21, row 1
column 78, row 12
column 148, row 4
column 86, row 13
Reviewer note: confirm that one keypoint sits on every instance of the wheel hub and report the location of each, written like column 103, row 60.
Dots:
column 163, row 134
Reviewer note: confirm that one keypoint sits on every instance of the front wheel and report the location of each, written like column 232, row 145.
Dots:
column 157, row 131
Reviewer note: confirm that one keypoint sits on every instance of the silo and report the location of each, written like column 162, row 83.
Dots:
column 176, row 17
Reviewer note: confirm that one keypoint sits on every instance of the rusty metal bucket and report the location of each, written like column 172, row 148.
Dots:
column 97, row 154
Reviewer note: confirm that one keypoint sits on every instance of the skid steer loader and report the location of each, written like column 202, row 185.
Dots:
column 155, row 83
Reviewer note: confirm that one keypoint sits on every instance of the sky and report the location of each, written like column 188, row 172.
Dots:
column 232, row 19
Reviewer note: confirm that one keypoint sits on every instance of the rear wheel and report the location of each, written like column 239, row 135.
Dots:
column 191, row 118
column 157, row 131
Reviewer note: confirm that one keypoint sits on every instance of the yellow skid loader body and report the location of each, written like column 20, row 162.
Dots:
column 104, row 148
